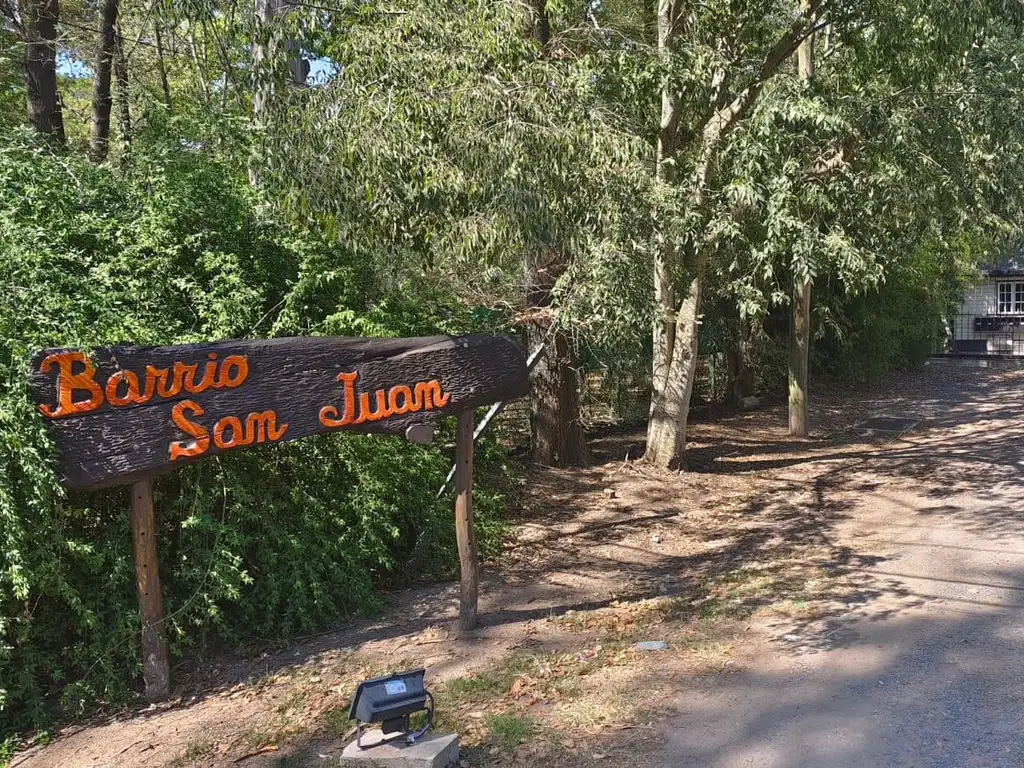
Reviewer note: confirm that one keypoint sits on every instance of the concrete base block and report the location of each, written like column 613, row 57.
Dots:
column 433, row 751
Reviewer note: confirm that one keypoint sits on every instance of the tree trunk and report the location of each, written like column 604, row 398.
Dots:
column 745, row 384
column 44, row 105
column 670, row 408
column 544, row 391
column 162, row 67
column 677, row 325
column 573, row 450
column 557, row 437
column 738, row 344
column 102, row 98
column 465, row 529
column 200, row 66
column 540, row 29
column 123, row 96
column 799, row 347
column 298, row 67
column 800, row 325
column 264, row 49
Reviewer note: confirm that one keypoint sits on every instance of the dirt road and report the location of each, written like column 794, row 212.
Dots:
column 925, row 667
column 856, row 599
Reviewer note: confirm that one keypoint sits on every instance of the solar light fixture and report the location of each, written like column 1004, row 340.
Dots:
column 389, row 700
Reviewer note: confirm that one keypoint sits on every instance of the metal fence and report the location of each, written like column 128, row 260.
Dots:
column 971, row 335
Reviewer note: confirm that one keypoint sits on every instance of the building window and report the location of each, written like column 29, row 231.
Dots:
column 1010, row 298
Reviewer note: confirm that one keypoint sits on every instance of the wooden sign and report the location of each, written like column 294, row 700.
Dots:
column 125, row 413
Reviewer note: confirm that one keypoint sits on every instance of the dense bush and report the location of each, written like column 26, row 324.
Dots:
column 279, row 540
column 895, row 326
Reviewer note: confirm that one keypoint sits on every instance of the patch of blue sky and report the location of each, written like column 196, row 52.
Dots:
column 69, row 65
column 321, row 70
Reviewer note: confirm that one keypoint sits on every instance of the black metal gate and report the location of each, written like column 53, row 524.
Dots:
column 970, row 335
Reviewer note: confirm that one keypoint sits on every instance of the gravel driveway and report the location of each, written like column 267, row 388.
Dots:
column 926, row 666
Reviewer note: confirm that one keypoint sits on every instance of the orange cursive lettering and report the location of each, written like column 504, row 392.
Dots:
column 429, row 395
column 229, row 432
column 209, row 374
column 406, row 394
column 69, row 382
column 237, row 363
column 156, row 378
column 131, row 396
column 263, row 426
column 349, row 380
column 329, row 417
column 238, row 435
column 197, row 447
column 123, row 388
column 423, row 396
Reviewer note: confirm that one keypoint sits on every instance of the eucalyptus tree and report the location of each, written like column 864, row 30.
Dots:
column 884, row 161
column 800, row 324
column 451, row 147
column 716, row 63
column 719, row 64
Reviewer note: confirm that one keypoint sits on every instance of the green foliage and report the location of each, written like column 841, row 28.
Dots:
column 862, row 181
column 275, row 541
column 7, row 747
column 12, row 98
column 448, row 143
column 863, row 338
column 449, row 159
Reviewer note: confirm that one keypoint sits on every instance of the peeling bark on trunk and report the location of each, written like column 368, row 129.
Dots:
column 557, row 437
column 659, row 440
column 677, row 320
column 102, row 97
column 666, row 430
column 44, row 104
column 800, row 318
column 799, row 348
column 677, row 331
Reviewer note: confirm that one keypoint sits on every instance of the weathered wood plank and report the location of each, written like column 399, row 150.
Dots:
column 124, row 413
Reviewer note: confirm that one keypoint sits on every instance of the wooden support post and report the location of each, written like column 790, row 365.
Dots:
column 465, row 533
column 156, row 672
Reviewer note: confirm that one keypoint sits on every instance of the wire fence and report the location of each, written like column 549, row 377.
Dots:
column 978, row 335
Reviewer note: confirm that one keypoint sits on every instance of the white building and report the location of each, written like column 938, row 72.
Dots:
column 991, row 317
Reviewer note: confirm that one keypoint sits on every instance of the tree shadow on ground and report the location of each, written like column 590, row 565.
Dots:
column 908, row 691
column 748, row 526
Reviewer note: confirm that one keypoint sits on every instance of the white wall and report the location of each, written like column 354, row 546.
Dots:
column 980, row 300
